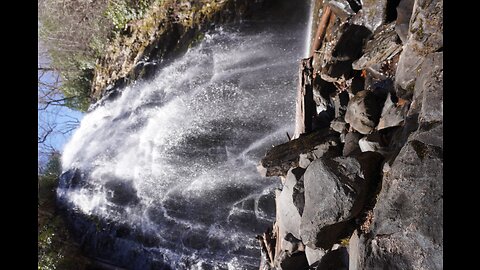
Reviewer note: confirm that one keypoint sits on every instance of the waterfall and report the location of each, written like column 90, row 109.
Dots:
column 164, row 174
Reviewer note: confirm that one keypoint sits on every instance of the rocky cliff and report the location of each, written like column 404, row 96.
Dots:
column 362, row 180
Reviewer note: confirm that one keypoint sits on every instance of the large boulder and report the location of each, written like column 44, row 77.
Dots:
column 333, row 188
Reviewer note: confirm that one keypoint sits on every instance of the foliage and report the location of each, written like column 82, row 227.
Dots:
column 76, row 33
column 55, row 246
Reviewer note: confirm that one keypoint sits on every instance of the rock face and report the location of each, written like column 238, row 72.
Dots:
column 374, row 198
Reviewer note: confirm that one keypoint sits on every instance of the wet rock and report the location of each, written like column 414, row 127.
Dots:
column 334, row 260
column 351, row 147
column 288, row 217
column 363, row 112
column 332, row 188
column 314, row 255
column 406, row 232
column 121, row 192
column 425, row 36
column 404, row 13
column 372, row 15
column 281, row 158
column 381, row 47
column 393, row 113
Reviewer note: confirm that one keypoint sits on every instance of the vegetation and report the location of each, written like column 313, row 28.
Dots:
column 75, row 34
column 55, row 246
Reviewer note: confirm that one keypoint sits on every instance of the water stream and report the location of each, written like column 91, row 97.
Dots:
column 164, row 175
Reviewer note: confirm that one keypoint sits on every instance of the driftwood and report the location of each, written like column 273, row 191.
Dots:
column 279, row 159
column 267, row 243
column 305, row 105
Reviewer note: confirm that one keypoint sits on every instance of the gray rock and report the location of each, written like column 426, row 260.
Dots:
column 298, row 195
column 332, row 187
column 353, row 251
column 407, row 230
column 351, row 146
column 425, row 36
column 334, row 260
column 314, row 255
column 291, row 244
column 432, row 84
column 363, row 112
column 288, row 217
column 392, row 114
column 338, row 124
column 296, row 261
column 404, row 13
column 372, row 15
column 341, row 8
column 381, row 47
column 348, row 48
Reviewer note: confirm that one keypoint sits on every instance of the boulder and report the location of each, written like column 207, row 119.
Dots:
column 338, row 124
column 372, row 15
column 288, row 217
column 381, row 47
column 291, row 244
column 296, row 261
column 351, row 146
column 363, row 112
column 333, row 188
column 314, row 255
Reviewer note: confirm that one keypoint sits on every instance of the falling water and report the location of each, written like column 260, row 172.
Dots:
column 164, row 174
column 309, row 29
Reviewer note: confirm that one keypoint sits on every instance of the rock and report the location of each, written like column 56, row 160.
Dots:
column 297, row 261
column 381, row 47
column 425, row 36
column 298, row 195
column 314, row 255
column 348, row 48
column 291, row 244
column 334, row 260
column 404, row 13
column 353, row 251
column 372, row 15
column 281, row 158
column 341, row 8
column 121, row 192
column 338, row 124
column 393, row 114
column 351, row 147
column 322, row 90
column 288, row 217
column 332, row 189
column 407, row 229
column 363, row 112
column 432, row 84
column 373, row 143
